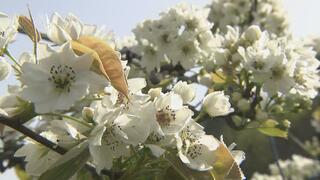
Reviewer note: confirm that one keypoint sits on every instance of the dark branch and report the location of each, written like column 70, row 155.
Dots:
column 31, row 134
column 14, row 124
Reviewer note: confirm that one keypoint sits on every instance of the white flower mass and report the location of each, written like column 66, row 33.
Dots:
column 182, row 36
column 141, row 111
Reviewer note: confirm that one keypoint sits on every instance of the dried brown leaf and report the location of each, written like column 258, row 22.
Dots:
column 107, row 60
column 28, row 27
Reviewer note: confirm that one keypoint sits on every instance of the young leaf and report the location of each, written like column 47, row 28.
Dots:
column 21, row 174
column 270, row 127
column 28, row 27
column 108, row 60
column 225, row 166
column 68, row 164
column 218, row 77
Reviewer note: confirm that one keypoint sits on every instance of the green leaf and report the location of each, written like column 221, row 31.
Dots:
column 68, row 164
column 21, row 174
column 271, row 127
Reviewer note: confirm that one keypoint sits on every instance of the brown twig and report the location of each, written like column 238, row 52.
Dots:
column 43, row 35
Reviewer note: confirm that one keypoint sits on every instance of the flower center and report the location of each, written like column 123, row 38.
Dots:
column 278, row 72
column 62, row 76
column 191, row 144
column 259, row 65
column 186, row 49
column 155, row 137
column 2, row 33
column 165, row 38
column 191, row 24
column 110, row 137
column 165, row 116
column 299, row 78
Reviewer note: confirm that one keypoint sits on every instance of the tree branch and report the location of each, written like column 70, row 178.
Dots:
column 31, row 134
column 14, row 124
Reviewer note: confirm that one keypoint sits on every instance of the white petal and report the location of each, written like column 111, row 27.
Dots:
column 157, row 151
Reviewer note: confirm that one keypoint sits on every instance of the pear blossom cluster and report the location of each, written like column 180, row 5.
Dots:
column 297, row 168
column 72, row 104
column 181, row 35
column 314, row 42
column 157, row 122
column 80, row 93
column 282, row 65
column 267, row 14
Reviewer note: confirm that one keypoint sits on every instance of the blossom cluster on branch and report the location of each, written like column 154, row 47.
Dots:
column 91, row 105
column 82, row 101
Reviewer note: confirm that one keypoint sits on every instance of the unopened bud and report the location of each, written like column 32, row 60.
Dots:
column 286, row 123
column 244, row 105
column 87, row 114
column 154, row 92
column 276, row 109
column 236, row 96
column 253, row 33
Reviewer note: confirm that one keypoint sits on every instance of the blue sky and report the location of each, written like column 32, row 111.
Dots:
column 121, row 16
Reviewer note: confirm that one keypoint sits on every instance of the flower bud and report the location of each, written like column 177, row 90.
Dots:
column 277, row 109
column 186, row 91
column 217, row 104
column 286, row 123
column 253, row 33
column 4, row 69
column 154, row 92
column 87, row 114
column 243, row 105
column 236, row 96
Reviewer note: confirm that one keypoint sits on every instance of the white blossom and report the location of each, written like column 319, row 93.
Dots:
column 171, row 115
column 8, row 30
column 61, row 30
column 5, row 69
column 38, row 157
column 217, row 104
column 270, row 15
column 298, row 168
column 195, row 149
column 58, row 81
column 114, row 132
column 186, row 91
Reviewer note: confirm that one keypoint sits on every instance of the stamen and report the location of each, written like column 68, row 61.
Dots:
column 62, row 76
column 165, row 116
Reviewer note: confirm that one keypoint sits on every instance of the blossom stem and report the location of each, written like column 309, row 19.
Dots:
column 176, row 168
column 70, row 118
column 43, row 35
column 300, row 144
column 276, row 156
column 6, row 52
column 201, row 116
